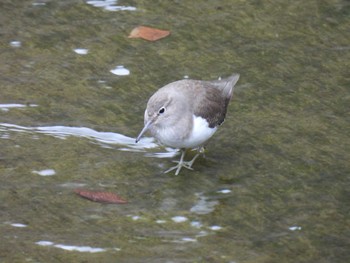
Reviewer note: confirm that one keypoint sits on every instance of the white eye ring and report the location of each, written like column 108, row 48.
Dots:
column 161, row 110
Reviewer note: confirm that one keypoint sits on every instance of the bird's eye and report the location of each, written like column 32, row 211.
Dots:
column 161, row 110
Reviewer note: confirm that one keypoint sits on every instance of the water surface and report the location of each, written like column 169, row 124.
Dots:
column 274, row 183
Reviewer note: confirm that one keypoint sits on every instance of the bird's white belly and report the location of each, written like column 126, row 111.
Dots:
column 200, row 132
column 198, row 136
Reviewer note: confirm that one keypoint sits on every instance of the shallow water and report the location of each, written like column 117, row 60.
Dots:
column 274, row 183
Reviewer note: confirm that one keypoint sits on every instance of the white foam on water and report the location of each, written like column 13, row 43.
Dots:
column 135, row 218
column 120, row 71
column 45, row 172
column 72, row 248
column 38, row 4
column 215, row 228
column 179, row 219
column 44, row 243
column 104, row 138
column 81, row 51
column 294, row 228
column 80, row 248
column 110, row 5
column 189, row 239
column 224, row 191
column 15, row 43
column 18, row 225
column 8, row 106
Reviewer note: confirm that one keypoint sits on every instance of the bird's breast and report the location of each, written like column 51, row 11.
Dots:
column 196, row 134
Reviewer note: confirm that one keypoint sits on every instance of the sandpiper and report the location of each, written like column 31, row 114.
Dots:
column 186, row 113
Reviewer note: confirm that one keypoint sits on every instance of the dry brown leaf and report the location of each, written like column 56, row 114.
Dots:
column 101, row 197
column 148, row 33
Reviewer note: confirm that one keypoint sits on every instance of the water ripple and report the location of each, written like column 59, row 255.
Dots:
column 110, row 5
column 88, row 249
column 105, row 139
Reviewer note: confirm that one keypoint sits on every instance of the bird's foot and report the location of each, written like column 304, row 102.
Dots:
column 182, row 163
column 178, row 167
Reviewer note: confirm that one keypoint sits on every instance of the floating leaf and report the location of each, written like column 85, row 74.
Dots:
column 148, row 33
column 100, row 197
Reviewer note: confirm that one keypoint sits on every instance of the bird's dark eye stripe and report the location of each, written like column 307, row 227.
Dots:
column 161, row 110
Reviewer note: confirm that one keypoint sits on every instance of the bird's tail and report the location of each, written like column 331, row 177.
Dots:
column 227, row 85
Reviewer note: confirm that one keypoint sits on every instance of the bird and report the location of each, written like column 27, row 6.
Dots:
column 186, row 113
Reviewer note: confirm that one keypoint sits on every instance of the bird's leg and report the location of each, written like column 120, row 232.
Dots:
column 180, row 164
column 186, row 164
